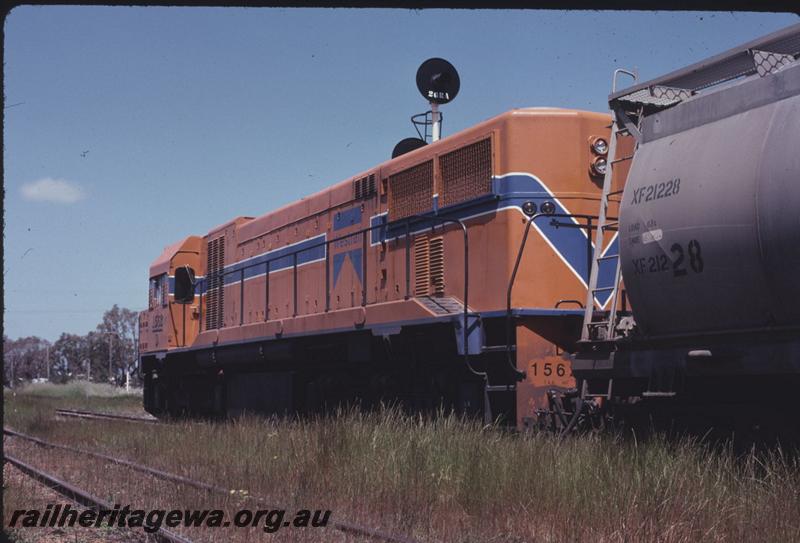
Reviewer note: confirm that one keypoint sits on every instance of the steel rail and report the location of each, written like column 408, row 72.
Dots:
column 120, row 461
column 342, row 526
column 95, row 415
column 80, row 496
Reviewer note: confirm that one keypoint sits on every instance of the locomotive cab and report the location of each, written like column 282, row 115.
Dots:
column 172, row 316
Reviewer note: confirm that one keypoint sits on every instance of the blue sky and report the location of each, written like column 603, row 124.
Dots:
column 138, row 126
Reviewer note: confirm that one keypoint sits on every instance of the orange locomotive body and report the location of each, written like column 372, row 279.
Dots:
column 356, row 293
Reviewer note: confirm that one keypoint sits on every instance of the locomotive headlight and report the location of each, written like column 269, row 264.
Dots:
column 529, row 208
column 599, row 166
column 600, row 146
column 548, row 208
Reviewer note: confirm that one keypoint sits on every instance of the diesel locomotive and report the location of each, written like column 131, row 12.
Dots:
column 392, row 285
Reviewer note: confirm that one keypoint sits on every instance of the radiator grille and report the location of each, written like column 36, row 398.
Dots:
column 215, row 294
column 411, row 191
column 466, row 173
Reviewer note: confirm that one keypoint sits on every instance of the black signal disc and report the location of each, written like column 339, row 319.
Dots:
column 407, row 145
column 438, row 80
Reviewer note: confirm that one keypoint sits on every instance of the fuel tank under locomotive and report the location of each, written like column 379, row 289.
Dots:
column 710, row 217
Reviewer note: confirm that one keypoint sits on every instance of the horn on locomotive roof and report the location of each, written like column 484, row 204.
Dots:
column 438, row 82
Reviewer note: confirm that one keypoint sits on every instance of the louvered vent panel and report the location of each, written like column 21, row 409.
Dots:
column 215, row 293
column 364, row 187
column 221, row 284
column 436, row 264
column 422, row 274
column 411, row 191
column 358, row 191
column 211, row 285
column 466, row 173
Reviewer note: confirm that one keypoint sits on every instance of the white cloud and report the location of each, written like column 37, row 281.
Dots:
column 59, row 191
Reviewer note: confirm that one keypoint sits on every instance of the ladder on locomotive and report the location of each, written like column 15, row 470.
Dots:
column 621, row 125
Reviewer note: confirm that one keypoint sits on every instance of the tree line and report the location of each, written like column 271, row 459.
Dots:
column 102, row 355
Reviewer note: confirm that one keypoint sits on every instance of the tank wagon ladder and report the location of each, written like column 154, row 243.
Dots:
column 621, row 125
column 605, row 330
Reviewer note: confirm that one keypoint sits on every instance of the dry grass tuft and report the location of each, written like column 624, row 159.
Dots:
column 77, row 389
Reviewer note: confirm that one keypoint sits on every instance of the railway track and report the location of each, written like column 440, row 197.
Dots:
column 103, row 416
column 80, row 496
column 342, row 526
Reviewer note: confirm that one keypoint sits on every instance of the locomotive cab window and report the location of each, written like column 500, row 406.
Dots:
column 184, row 285
column 158, row 290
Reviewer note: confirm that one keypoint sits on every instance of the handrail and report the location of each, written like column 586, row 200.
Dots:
column 407, row 221
column 445, row 220
column 621, row 71
column 576, row 302
column 293, row 256
column 513, row 277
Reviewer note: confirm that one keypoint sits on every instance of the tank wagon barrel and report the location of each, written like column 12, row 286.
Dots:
column 709, row 245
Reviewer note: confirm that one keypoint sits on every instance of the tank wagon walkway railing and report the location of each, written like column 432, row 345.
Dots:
column 407, row 222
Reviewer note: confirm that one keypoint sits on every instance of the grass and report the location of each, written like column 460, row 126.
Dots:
column 77, row 389
column 451, row 479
